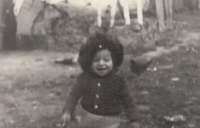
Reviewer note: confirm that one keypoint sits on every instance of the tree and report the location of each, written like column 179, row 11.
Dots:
column 10, row 25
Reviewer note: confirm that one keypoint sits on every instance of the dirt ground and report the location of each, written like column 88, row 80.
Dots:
column 33, row 88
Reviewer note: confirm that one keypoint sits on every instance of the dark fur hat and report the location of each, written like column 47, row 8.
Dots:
column 97, row 42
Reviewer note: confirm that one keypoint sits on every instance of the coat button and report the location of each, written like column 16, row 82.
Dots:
column 97, row 96
column 99, row 85
column 95, row 106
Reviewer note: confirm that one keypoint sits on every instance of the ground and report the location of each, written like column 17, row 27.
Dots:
column 33, row 88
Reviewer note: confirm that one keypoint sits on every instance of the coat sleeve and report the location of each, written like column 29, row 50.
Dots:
column 128, row 107
column 74, row 95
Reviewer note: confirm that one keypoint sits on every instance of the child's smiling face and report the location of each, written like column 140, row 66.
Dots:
column 102, row 63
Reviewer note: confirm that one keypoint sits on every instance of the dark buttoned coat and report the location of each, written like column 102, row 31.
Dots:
column 105, row 96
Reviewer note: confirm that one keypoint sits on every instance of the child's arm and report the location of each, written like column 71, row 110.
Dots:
column 127, row 103
column 72, row 99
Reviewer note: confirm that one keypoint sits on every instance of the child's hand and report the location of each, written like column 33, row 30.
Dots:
column 66, row 117
column 63, row 121
column 67, row 121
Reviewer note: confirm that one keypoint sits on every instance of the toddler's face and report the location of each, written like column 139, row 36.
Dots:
column 102, row 63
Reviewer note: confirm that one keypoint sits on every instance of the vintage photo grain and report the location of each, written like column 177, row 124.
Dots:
column 99, row 63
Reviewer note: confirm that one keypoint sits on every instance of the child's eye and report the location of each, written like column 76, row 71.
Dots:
column 96, row 60
column 107, row 59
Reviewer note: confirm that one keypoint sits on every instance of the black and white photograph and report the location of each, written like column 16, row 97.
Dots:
column 99, row 64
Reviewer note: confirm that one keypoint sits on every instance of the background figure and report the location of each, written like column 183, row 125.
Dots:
column 10, row 29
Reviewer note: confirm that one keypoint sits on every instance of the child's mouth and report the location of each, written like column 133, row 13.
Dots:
column 101, row 69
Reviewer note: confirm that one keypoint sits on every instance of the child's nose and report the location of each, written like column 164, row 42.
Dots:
column 101, row 62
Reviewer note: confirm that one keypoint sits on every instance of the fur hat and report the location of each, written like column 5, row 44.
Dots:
column 97, row 42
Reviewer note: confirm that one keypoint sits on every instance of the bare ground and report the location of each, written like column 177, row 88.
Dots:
column 34, row 88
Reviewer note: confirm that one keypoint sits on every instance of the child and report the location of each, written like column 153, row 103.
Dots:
column 104, row 94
